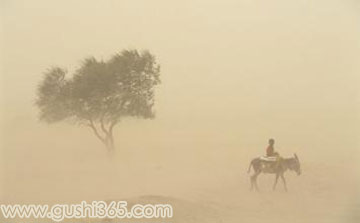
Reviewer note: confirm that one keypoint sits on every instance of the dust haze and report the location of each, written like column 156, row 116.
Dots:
column 234, row 74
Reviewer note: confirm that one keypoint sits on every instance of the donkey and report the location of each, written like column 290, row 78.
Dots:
column 278, row 168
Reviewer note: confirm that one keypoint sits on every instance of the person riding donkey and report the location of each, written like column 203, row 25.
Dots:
column 270, row 152
column 273, row 163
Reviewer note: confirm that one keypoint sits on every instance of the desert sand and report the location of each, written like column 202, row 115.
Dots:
column 209, row 185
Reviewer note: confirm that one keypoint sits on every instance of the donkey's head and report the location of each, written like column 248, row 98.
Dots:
column 295, row 164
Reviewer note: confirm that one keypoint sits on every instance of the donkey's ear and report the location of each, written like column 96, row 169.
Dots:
column 296, row 157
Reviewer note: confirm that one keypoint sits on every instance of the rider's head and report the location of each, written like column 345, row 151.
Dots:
column 271, row 142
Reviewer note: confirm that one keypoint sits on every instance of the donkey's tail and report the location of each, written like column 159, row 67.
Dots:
column 251, row 163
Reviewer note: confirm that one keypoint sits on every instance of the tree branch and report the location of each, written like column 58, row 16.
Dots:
column 93, row 127
column 103, row 126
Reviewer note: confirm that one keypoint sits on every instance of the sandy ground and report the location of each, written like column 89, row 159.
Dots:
column 213, row 187
column 312, row 198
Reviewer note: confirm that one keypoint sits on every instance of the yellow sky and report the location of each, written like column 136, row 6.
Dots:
column 275, row 64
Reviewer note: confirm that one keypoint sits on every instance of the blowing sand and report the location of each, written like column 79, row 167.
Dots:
column 209, row 185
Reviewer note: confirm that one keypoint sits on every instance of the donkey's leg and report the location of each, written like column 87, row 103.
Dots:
column 276, row 180
column 255, row 180
column 284, row 181
column 252, row 182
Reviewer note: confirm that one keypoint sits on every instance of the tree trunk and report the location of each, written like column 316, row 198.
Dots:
column 107, row 137
column 110, row 142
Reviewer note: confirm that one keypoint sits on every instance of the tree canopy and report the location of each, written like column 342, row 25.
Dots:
column 100, row 93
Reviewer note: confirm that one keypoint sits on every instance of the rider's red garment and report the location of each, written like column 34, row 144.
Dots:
column 269, row 151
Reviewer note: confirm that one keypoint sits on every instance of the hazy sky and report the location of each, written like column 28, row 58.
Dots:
column 233, row 71
column 279, row 63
